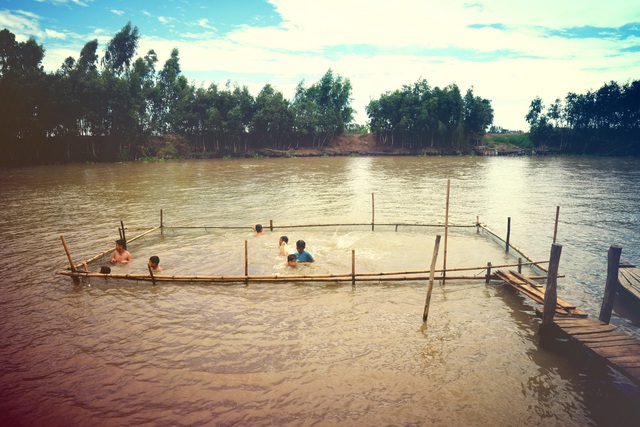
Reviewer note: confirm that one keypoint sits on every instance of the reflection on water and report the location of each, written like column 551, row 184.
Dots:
column 109, row 353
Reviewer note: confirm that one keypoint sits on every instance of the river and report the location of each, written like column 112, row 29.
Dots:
column 109, row 353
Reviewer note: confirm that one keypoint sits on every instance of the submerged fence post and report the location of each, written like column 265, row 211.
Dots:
column 551, row 292
column 153, row 279
column 487, row 278
column 246, row 262
column 613, row 265
column 425, row 314
column 519, row 264
column 508, row 233
column 161, row 224
column 373, row 211
column 270, row 225
column 477, row 224
column 353, row 267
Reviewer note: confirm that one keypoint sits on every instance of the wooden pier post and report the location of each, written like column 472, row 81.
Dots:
column 551, row 292
column 613, row 264
column 270, row 225
column 519, row 264
column 508, row 234
column 555, row 228
column 425, row 314
column 488, row 276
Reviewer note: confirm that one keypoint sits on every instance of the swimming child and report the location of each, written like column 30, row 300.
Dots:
column 154, row 262
column 302, row 255
column 292, row 261
column 121, row 255
column 258, row 229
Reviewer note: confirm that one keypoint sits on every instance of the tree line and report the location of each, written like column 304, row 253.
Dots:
column 605, row 121
column 120, row 107
column 419, row 116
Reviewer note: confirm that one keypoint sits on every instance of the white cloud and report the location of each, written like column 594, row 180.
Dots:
column 52, row 34
column 117, row 12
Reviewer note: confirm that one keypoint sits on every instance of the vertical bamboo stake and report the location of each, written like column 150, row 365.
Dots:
column 66, row 249
column 425, row 314
column 373, row 211
column 271, row 225
column 477, row 224
column 551, row 293
column 519, row 264
column 153, row 279
column 613, row 265
column 246, row 261
column 508, row 233
column 161, row 224
column 353, row 267
column 124, row 237
column 446, row 236
column 555, row 228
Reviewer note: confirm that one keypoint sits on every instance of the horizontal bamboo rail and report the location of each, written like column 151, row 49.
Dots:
column 273, row 279
column 247, row 227
column 512, row 246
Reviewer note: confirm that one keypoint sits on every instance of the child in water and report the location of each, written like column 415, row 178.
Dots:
column 154, row 262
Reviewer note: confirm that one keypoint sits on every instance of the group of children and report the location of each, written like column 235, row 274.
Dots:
column 294, row 257
column 122, row 256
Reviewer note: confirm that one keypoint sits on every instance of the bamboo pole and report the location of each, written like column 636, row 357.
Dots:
column 124, row 236
column 373, row 211
column 270, row 225
column 508, row 234
column 161, row 224
column 353, row 267
column 153, row 279
column 488, row 275
column 446, row 234
column 359, row 224
column 555, row 228
column 246, row 260
column 477, row 224
column 273, row 279
column 66, row 250
column 425, row 314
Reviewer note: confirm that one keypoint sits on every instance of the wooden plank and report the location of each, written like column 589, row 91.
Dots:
column 600, row 329
column 616, row 351
column 612, row 336
column 535, row 291
column 626, row 361
column 630, row 280
column 620, row 342
column 573, row 322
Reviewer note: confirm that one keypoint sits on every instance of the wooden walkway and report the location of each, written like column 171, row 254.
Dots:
column 618, row 349
column 535, row 291
column 629, row 280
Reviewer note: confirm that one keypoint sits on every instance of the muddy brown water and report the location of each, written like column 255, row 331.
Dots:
column 120, row 353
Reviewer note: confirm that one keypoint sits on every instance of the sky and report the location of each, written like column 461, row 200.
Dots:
column 508, row 51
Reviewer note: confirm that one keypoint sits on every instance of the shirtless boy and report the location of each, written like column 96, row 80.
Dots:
column 121, row 255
